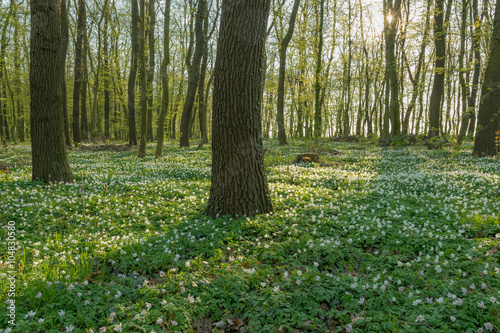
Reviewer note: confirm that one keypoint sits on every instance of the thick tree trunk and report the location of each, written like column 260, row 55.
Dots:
column 239, row 184
column 435, row 104
column 132, row 131
column 194, row 74
column 164, row 80
column 488, row 121
column 281, row 79
column 50, row 160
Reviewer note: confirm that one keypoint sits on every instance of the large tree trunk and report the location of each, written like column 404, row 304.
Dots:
column 281, row 79
column 435, row 104
column 488, row 121
column 50, row 160
column 164, row 80
column 132, row 132
column 194, row 74
column 239, row 184
column 80, row 33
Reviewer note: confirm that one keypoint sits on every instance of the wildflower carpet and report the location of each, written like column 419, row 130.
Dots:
column 372, row 240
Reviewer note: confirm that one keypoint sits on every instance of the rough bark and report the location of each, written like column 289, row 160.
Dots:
column 488, row 120
column 435, row 103
column 239, row 184
column 49, row 157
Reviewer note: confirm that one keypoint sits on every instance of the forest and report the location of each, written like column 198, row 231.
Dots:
column 213, row 166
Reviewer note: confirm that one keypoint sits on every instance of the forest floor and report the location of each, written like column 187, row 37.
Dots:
column 371, row 240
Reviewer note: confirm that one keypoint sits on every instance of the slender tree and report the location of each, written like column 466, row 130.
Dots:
column 488, row 122
column 318, row 122
column 49, row 157
column 164, row 80
column 132, row 133
column 151, row 65
column 194, row 73
column 80, row 35
column 239, row 184
column 143, row 78
column 281, row 80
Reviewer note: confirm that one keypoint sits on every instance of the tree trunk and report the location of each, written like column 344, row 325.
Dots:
column 164, row 80
column 488, row 121
column 194, row 73
column 80, row 33
column 461, row 76
column 18, row 86
column 132, row 132
column 50, row 160
column 476, row 45
column 152, row 63
column 107, row 75
column 318, row 124
column 202, row 106
column 143, row 79
column 281, row 79
column 239, row 184
column 84, row 124
column 64, row 50
column 391, row 64
column 435, row 104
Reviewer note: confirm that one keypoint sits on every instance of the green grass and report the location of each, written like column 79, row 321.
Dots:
column 373, row 240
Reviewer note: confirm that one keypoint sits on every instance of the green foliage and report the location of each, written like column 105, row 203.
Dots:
column 373, row 239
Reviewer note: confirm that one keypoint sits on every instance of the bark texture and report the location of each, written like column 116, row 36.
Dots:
column 239, row 183
column 435, row 104
column 50, row 160
column 488, row 121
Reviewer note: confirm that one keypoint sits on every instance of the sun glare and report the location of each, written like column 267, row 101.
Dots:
column 389, row 18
